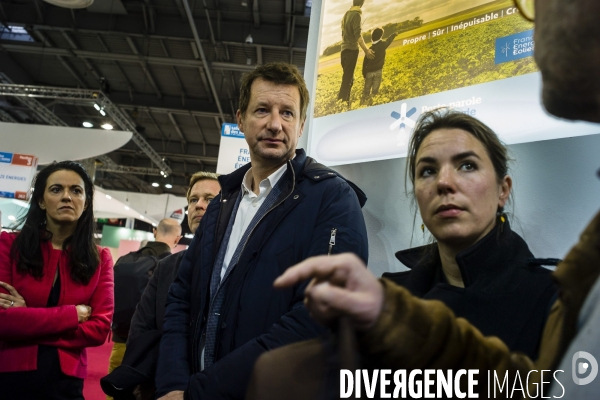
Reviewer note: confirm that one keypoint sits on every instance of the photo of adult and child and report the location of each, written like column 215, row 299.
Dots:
column 375, row 51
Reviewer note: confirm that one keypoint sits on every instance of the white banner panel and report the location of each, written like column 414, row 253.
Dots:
column 233, row 150
column 16, row 173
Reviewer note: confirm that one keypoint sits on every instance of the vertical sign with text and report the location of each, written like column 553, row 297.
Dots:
column 233, row 150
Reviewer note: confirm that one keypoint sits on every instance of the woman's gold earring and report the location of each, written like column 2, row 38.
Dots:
column 423, row 228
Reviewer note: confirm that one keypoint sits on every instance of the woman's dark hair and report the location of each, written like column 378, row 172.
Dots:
column 82, row 252
column 444, row 118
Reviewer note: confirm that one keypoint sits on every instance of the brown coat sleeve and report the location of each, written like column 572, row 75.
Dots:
column 412, row 333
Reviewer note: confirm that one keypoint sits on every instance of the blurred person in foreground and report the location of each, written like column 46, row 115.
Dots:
column 567, row 37
column 56, row 289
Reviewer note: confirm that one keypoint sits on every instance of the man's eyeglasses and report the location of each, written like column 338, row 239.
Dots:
column 527, row 8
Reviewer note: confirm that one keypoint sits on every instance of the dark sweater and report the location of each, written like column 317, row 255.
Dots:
column 351, row 29
column 157, row 249
column 505, row 295
column 139, row 362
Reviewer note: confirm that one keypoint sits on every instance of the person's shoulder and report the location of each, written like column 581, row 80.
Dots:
column 324, row 179
column 7, row 239
column 330, row 181
column 317, row 172
column 540, row 266
column 170, row 260
column 104, row 253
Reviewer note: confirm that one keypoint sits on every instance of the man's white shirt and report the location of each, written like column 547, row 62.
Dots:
column 249, row 206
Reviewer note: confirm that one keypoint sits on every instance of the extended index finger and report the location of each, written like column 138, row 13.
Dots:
column 319, row 267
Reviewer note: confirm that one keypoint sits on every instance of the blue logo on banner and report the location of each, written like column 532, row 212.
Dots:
column 8, row 195
column 514, row 47
column 6, row 157
column 231, row 130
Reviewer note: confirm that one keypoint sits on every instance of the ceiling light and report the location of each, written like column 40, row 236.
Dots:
column 103, row 113
column 108, row 127
column 168, row 185
column 127, row 208
column 88, row 125
column 162, row 172
column 96, row 106
column 71, row 3
column 186, row 211
column 108, row 196
column 11, row 218
column 244, row 3
column 153, row 224
column 249, row 39
column 155, row 184
column 141, row 217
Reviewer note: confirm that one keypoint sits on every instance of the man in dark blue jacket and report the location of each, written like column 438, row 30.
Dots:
column 284, row 207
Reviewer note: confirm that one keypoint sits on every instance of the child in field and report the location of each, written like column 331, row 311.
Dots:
column 373, row 69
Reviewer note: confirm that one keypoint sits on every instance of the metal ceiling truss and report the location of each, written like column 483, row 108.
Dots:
column 40, row 27
column 213, row 89
column 123, row 169
column 6, row 117
column 28, row 93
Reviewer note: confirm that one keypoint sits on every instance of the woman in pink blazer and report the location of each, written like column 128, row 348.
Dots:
column 56, row 289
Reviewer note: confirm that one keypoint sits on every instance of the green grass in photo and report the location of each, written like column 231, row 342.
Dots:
column 454, row 60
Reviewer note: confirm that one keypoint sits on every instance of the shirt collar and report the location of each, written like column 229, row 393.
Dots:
column 267, row 183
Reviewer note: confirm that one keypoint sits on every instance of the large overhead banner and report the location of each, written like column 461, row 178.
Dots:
column 471, row 55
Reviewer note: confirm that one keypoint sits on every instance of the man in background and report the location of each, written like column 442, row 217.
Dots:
column 139, row 361
column 351, row 39
column 132, row 272
column 150, row 312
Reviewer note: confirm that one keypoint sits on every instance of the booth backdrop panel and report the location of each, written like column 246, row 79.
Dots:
column 59, row 143
column 555, row 194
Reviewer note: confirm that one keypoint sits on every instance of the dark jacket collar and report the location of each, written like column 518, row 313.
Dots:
column 156, row 249
column 302, row 166
column 498, row 250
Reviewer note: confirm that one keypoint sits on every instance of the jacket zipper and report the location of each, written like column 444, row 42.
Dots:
column 252, row 231
column 332, row 240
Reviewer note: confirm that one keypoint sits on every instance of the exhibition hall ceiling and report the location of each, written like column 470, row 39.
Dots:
column 144, row 57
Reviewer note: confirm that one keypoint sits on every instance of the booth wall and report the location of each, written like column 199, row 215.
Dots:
column 555, row 193
column 556, row 190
